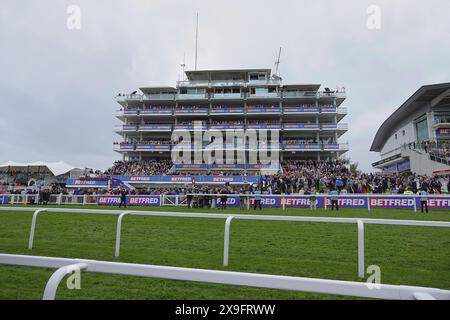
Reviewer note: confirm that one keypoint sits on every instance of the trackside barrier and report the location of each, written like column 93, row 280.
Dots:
column 334, row 287
column 361, row 201
column 359, row 221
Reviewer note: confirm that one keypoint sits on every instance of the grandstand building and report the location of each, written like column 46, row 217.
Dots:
column 416, row 137
column 308, row 120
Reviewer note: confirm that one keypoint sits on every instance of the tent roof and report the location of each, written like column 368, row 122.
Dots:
column 57, row 168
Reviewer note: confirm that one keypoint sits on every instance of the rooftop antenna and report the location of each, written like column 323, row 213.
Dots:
column 196, row 44
column 276, row 75
column 183, row 66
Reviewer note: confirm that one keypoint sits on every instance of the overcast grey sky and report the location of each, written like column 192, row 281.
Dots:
column 57, row 86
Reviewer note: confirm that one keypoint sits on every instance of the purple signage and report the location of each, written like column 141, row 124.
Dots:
column 130, row 200
column 288, row 126
column 301, row 147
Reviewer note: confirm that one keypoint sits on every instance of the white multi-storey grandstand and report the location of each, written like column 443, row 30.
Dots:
column 308, row 120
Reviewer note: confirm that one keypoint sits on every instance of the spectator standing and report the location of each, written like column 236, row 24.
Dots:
column 123, row 198
column 423, row 200
column 257, row 199
column 334, row 199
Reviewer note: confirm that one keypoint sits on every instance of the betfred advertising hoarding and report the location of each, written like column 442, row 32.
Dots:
column 392, row 202
column 3, row 199
column 147, row 201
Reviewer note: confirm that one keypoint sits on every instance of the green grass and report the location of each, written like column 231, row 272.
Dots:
column 406, row 255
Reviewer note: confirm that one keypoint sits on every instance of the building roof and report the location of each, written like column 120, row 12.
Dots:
column 232, row 74
column 57, row 168
column 428, row 96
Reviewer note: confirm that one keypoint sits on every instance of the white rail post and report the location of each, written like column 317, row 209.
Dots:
column 118, row 231
column 57, row 276
column 226, row 242
column 415, row 204
column 33, row 227
column 283, row 200
column 361, row 266
column 368, row 203
column 324, row 202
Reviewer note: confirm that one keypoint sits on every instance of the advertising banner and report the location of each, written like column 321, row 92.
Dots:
column 3, row 199
column 392, row 202
column 78, row 183
column 301, row 110
column 302, row 147
column 301, row 126
column 149, row 201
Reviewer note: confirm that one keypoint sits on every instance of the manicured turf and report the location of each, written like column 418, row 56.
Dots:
column 406, row 255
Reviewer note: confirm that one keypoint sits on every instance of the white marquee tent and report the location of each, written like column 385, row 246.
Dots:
column 56, row 168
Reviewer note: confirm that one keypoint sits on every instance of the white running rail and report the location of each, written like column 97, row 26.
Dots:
column 360, row 222
column 334, row 287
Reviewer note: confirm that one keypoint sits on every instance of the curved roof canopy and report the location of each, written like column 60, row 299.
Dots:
column 57, row 168
column 432, row 96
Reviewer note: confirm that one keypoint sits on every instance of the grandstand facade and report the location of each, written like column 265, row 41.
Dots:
column 305, row 121
column 416, row 137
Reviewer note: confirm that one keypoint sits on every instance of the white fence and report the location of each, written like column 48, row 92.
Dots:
column 360, row 222
column 335, row 287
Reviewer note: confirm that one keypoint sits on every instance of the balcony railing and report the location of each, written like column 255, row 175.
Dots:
column 160, row 96
column 263, row 110
column 236, row 146
column 186, row 96
column 227, row 96
column 300, row 94
column 192, row 112
column 125, row 128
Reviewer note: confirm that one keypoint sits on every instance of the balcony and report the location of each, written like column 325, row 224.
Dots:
column 299, row 95
column 227, row 111
column 129, row 97
column 263, row 95
column 155, row 128
column 153, row 147
column 264, row 126
column 227, row 127
column 156, row 112
column 123, row 147
column 159, row 97
column 342, row 110
column 334, row 126
column 441, row 124
column 301, row 110
column 302, row 147
column 331, row 94
column 266, row 82
column 193, row 84
column 191, row 97
column 125, row 128
column 189, row 127
column 192, row 112
column 342, row 147
column 328, row 109
column 301, row 126
column 263, row 110
column 227, row 96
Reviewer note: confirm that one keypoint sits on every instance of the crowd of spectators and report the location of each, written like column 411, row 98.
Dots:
column 140, row 168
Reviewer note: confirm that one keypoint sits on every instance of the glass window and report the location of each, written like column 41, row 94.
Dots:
column 422, row 130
